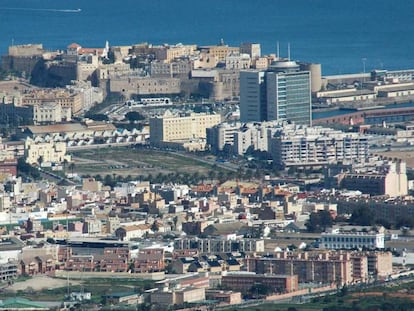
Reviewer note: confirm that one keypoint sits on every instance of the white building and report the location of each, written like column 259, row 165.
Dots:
column 302, row 145
column 90, row 95
column 45, row 152
column 250, row 135
column 338, row 239
column 50, row 112
column 222, row 134
column 236, row 60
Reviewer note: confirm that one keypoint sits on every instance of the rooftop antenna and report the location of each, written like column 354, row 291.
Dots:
column 277, row 49
column 12, row 41
column 288, row 51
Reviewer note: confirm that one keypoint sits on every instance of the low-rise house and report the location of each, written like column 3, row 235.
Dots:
column 226, row 297
column 128, row 233
column 149, row 260
column 125, row 298
column 245, row 281
column 182, row 264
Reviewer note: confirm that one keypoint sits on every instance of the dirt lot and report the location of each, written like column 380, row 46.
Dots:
column 40, row 282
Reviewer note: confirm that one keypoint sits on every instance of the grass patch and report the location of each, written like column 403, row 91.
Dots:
column 125, row 161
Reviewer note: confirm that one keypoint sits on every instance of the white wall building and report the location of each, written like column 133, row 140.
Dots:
column 50, row 112
column 45, row 152
column 302, row 145
column 337, row 239
column 236, row 60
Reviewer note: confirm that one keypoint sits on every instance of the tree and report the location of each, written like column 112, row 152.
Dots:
column 65, row 162
column 98, row 117
column 72, row 167
column 319, row 221
column 40, row 160
column 154, row 227
column 362, row 216
column 133, row 116
column 260, row 290
column 211, row 175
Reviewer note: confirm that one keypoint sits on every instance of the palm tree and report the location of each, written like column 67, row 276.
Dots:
column 65, row 162
column 72, row 167
column 211, row 175
column 40, row 160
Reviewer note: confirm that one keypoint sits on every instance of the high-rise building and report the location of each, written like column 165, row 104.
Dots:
column 252, row 96
column 283, row 92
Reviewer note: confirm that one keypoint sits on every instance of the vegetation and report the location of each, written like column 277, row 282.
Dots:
column 319, row 221
column 133, row 116
column 112, row 165
column 26, row 170
column 98, row 288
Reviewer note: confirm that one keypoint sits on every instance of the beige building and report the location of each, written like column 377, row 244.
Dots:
column 178, row 296
column 219, row 51
column 117, row 70
column 48, row 152
column 385, row 177
column 345, row 95
column 26, row 50
column 51, row 112
column 174, row 128
column 253, row 49
column 177, row 68
column 129, row 86
column 236, row 60
column 340, row 267
column 205, row 61
column 66, row 99
column 92, row 185
column 86, row 66
column 171, row 52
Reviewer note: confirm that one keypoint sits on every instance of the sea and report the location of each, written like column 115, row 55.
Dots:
column 344, row 36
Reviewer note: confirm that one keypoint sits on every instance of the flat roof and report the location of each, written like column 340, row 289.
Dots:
column 70, row 127
column 397, row 88
column 56, row 128
column 349, row 93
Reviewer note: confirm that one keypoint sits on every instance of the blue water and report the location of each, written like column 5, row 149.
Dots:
column 342, row 35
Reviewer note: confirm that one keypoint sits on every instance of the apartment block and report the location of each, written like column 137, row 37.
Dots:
column 301, row 145
column 328, row 267
column 210, row 245
column 245, row 281
column 149, row 260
